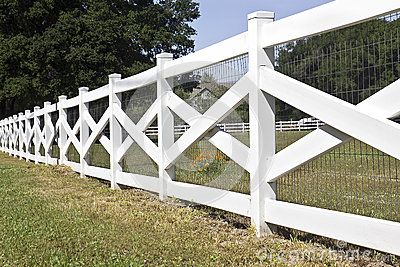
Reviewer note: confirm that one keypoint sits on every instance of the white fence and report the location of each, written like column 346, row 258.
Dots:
column 244, row 127
column 367, row 122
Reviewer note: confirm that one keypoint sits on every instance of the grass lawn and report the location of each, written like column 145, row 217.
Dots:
column 50, row 216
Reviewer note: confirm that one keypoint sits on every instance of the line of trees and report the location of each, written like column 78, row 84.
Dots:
column 52, row 47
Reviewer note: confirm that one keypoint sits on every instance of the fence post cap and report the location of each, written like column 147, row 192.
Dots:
column 15, row 117
column 115, row 76
column 62, row 97
column 261, row 15
column 27, row 111
column 47, row 103
column 84, row 89
column 165, row 56
column 21, row 114
column 36, row 108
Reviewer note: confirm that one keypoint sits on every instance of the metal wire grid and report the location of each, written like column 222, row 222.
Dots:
column 226, row 72
column 202, row 87
column 135, row 103
column 31, row 149
column 41, row 127
column 350, row 69
column 96, row 110
column 354, row 177
column 97, row 155
column 203, row 163
column 55, row 150
column 72, row 118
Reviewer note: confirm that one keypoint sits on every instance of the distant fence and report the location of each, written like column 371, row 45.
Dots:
column 243, row 127
column 110, row 117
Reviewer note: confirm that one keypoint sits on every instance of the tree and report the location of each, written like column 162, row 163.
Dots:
column 52, row 47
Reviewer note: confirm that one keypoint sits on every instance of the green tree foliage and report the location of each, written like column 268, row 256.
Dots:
column 351, row 63
column 52, row 47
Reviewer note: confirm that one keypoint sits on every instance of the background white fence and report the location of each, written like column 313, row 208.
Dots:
column 26, row 134
column 243, row 127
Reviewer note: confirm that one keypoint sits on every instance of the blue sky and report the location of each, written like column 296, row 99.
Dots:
column 221, row 19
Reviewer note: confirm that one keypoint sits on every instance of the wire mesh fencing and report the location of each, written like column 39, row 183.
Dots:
column 72, row 118
column 203, row 163
column 351, row 64
column 97, row 155
column 54, row 148
column 135, row 103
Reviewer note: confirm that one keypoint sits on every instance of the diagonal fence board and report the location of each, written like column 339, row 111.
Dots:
column 71, row 133
column 146, row 120
column 39, row 133
column 217, row 112
column 137, row 135
column 225, row 142
column 96, row 131
column 328, row 138
column 352, row 121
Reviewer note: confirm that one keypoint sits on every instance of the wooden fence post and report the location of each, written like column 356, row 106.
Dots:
column 47, row 134
column 15, row 135
column 9, row 136
column 115, row 128
column 36, row 131
column 84, row 129
column 4, row 135
column 62, row 134
column 1, row 134
column 9, row 122
column 27, row 134
column 3, row 127
column 7, row 139
column 166, row 127
column 21, row 135
column 262, row 123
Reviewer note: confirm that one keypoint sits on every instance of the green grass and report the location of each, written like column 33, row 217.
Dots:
column 51, row 217
column 353, row 178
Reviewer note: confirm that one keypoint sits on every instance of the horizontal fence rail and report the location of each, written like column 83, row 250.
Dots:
column 146, row 131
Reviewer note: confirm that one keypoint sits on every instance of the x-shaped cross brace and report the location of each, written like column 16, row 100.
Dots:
column 366, row 121
column 71, row 133
column 202, row 124
column 39, row 132
column 136, row 131
column 28, row 135
column 52, row 134
column 97, row 128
